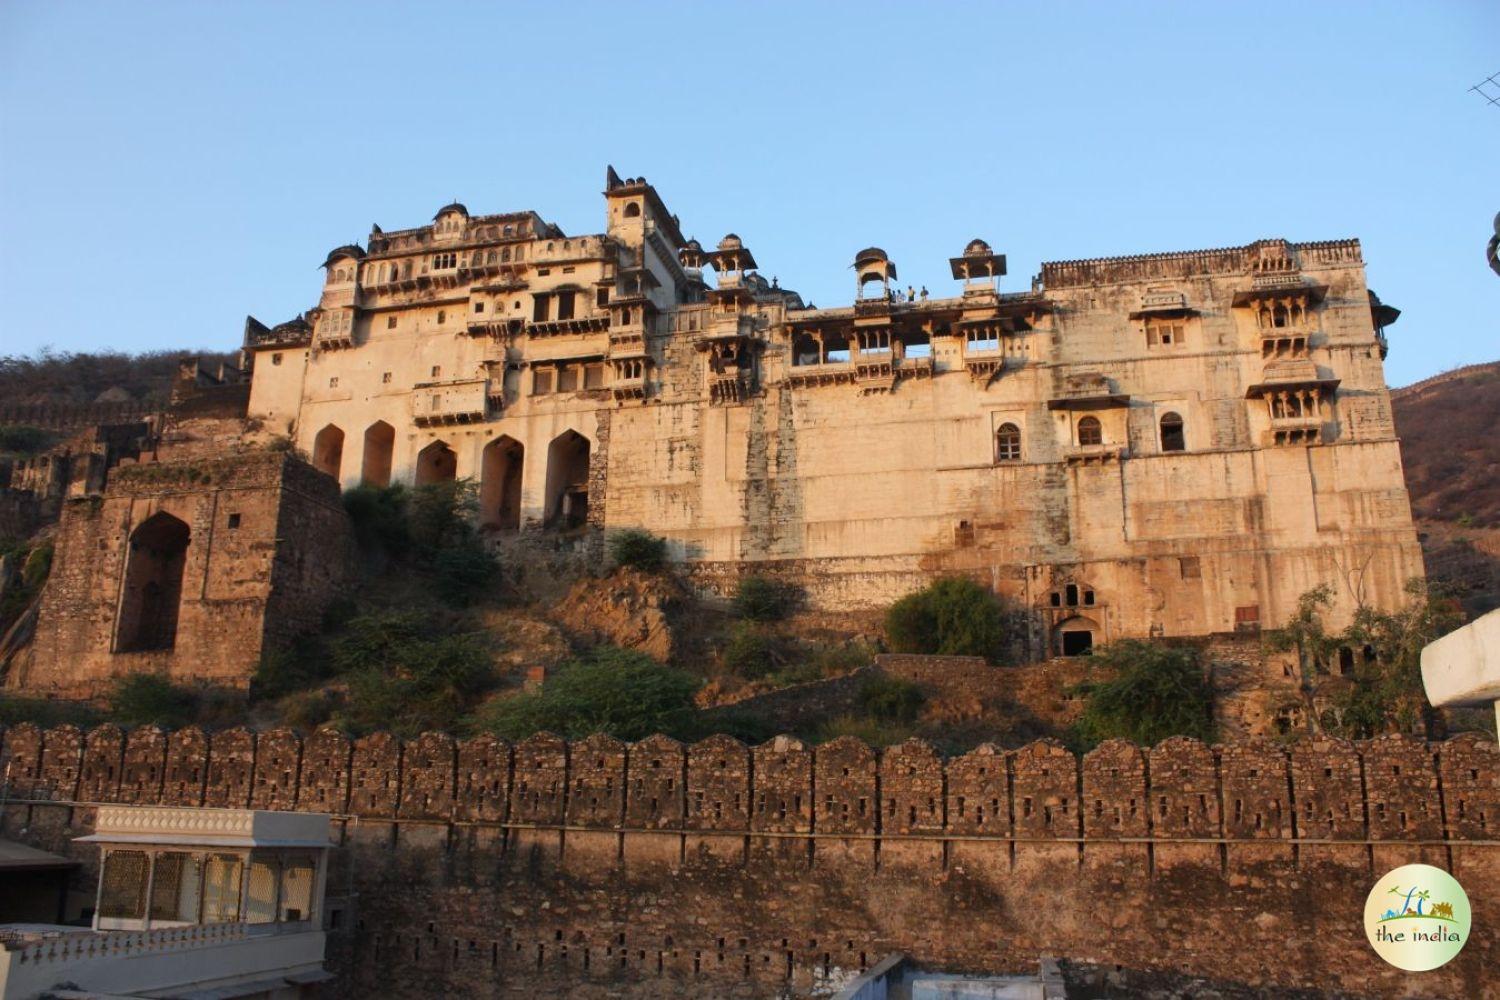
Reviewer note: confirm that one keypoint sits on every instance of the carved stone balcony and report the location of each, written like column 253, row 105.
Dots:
column 493, row 326
column 1095, row 454
column 828, row 373
column 566, row 327
column 453, row 401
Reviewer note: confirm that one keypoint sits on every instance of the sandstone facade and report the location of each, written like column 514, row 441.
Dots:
column 1172, row 444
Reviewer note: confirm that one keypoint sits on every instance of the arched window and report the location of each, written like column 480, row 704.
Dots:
column 328, row 450
column 1172, row 437
column 1008, row 443
column 436, row 463
column 505, row 255
column 1089, row 431
column 632, row 210
column 153, row 585
column 567, row 492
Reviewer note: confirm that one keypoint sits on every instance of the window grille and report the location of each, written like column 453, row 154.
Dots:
column 1008, row 443
column 122, row 890
column 297, row 875
column 175, row 887
column 260, row 891
column 221, row 889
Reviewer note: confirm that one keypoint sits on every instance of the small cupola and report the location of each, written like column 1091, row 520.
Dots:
column 873, row 264
column 978, row 265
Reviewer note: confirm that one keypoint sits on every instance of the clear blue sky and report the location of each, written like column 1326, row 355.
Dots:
column 167, row 168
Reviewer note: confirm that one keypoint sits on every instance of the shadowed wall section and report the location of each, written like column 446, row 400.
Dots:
column 656, row 869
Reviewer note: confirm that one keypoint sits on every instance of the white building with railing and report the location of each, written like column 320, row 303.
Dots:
column 192, row 903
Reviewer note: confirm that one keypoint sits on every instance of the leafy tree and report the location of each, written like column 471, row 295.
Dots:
column 891, row 699
column 1156, row 691
column 953, row 616
column 759, row 599
column 19, row 439
column 1306, row 636
column 441, row 515
column 379, row 518
column 616, row 691
column 1386, row 693
column 150, row 699
column 460, row 574
column 638, row 549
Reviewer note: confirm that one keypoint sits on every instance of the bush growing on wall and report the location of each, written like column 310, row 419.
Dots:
column 1156, row 691
column 954, row 616
column 637, row 549
column 759, row 599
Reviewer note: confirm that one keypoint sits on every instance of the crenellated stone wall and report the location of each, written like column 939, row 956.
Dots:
column 655, row 869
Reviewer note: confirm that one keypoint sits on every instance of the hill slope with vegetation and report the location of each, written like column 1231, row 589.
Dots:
column 1451, row 454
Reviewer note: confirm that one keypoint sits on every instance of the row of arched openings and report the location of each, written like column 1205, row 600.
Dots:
column 1090, row 432
column 566, row 490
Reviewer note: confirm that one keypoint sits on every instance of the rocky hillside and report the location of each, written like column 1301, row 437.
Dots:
column 1449, row 445
column 1451, row 452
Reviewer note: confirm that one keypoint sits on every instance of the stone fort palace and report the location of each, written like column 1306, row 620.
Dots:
column 1172, row 444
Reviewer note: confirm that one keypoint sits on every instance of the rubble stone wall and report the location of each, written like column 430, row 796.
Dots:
column 655, row 869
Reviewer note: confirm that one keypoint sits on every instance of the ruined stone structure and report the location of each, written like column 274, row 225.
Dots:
column 656, row 869
column 1172, row 444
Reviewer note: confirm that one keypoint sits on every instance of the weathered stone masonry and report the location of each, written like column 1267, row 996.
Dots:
column 658, row 869
column 265, row 546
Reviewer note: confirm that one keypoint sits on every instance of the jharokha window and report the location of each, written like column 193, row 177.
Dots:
column 1008, row 443
column 1163, row 332
column 1089, row 431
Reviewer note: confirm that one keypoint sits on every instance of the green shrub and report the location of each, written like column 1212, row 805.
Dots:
column 23, row 440
column 302, row 664
column 875, row 732
column 378, row 638
column 150, row 700
column 306, row 710
column 638, row 549
column 759, row 599
column 379, row 518
column 891, row 699
column 954, row 616
column 616, row 691
column 1157, row 691
column 45, row 712
column 749, row 652
column 441, row 515
column 36, row 566
column 419, row 684
column 461, row 574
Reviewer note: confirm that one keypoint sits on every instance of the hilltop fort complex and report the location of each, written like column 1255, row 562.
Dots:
column 1173, row 444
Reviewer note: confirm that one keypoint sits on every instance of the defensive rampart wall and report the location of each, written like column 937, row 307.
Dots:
column 598, row 867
